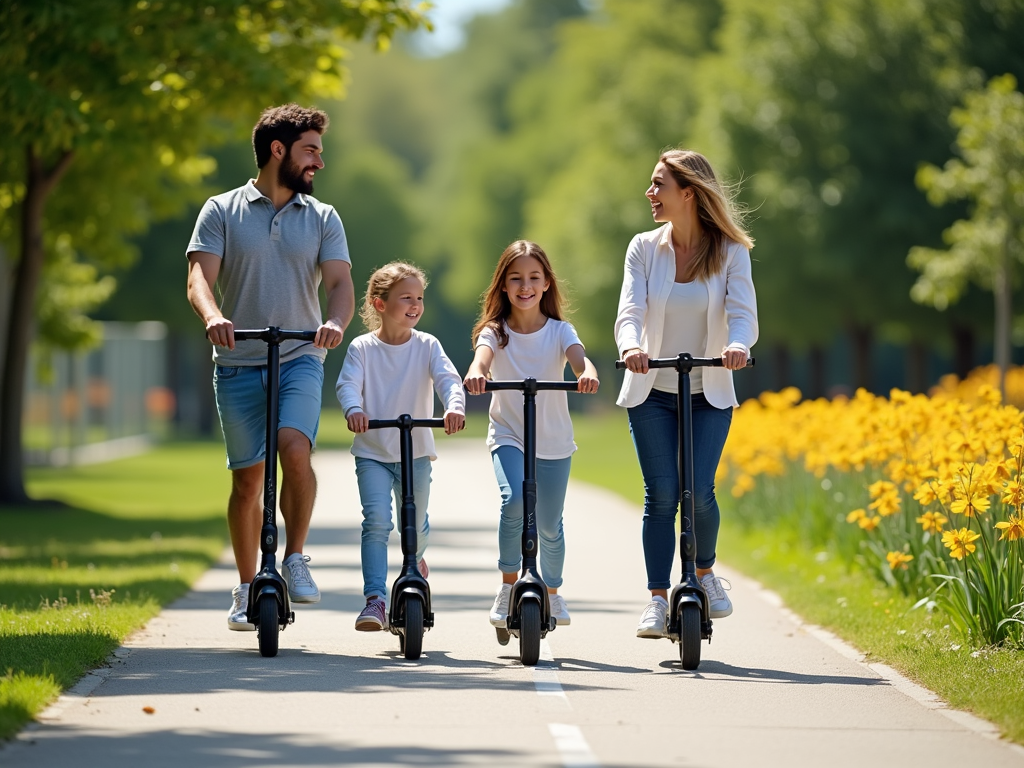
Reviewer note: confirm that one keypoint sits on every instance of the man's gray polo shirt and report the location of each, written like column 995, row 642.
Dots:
column 270, row 265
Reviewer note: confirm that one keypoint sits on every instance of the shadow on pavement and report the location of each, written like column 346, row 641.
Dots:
column 721, row 671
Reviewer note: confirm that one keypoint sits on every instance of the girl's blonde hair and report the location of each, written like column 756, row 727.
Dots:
column 379, row 286
column 495, row 304
column 719, row 215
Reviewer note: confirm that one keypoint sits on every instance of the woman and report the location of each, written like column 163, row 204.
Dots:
column 687, row 288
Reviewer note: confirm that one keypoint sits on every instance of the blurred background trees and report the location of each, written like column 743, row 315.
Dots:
column 547, row 122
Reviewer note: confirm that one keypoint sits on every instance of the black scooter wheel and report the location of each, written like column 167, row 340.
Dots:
column 689, row 636
column 503, row 635
column 268, row 628
column 529, row 632
column 413, row 633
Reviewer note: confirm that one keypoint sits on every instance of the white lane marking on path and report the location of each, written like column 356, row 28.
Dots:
column 572, row 746
column 545, row 674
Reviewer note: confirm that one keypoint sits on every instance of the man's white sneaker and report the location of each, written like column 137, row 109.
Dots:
column 499, row 611
column 559, row 610
column 654, row 620
column 301, row 588
column 719, row 603
column 239, row 603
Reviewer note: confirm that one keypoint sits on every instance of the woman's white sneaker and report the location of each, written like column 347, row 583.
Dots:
column 237, row 619
column 560, row 610
column 499, row 611
column 301, row 587
column 654, row 619
column 719, row 603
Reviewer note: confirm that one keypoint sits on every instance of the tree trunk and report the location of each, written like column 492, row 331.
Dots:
column 1002, row 290
column 816, row 360
column 783, row 376
column 917, row 366
column 963, row 350
column 861, row 338
column 39, row 183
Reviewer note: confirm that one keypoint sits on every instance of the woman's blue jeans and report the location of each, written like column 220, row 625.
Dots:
column 377, row 482
column 654, row 426
column 552, row 480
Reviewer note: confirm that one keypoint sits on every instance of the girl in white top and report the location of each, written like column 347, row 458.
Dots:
column 521, row 334
column 687, row 288
column 392, row 370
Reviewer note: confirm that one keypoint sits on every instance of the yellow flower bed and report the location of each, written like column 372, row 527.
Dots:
column 941, row 483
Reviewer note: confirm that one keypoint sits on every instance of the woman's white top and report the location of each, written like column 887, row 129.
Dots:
column 541, row 355
column 386, row 380
column 686, row 330
column 731, row 317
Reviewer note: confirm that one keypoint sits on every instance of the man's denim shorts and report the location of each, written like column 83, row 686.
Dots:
column 241, row 392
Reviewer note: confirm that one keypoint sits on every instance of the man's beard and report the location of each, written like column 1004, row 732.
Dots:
column 291, row 176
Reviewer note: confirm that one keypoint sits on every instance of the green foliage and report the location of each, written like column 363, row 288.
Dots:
column 135, row 92
column 991, row 176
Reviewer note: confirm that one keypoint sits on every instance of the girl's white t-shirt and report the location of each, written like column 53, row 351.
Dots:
column 386, row 380
column 541, row 355
column 686, row 330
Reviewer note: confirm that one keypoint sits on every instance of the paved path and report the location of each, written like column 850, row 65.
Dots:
column 769, row 691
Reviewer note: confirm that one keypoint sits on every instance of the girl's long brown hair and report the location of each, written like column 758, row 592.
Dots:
column 719, row 216
column 495, row 304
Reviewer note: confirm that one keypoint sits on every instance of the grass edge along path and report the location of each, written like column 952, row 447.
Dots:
column 77, row 581
column 824, row 590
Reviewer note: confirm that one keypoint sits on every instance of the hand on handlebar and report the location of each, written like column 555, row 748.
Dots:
column 587, row 385
column 358, row 422
column 733, row 358
column 475, row 384
column 454, row 422
column 328, row 335
column 221, row 332
column 636, row 360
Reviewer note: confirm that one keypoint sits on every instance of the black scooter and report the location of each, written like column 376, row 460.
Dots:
column 690, row 614
column 410, row 613
column 268, row 605
column 529, row 609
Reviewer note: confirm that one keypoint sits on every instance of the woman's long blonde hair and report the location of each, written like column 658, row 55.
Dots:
column 379, row 286
column 496, row 306
column 720, row 217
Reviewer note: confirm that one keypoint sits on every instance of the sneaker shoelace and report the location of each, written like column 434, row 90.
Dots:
column 502, row 601
column 300, row 572
column 557, row 604
column 715, row 588
column 652, row 611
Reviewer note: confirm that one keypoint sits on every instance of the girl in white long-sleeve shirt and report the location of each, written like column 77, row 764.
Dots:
column 392, row 370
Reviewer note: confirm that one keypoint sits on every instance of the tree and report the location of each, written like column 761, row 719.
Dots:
column 106, row 106
column 988, row 247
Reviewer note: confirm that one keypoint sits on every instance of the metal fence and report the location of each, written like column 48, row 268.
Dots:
column 111, row 401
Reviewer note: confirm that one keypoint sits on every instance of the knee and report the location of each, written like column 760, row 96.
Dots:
column 512, row 506
column 704, row 501
column 294, row 451
column 663, row 493
column 247, row 483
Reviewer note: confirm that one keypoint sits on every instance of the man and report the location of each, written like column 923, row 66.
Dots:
column 269, row 244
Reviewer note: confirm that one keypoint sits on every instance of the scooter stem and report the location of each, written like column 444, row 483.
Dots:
column 687, row 539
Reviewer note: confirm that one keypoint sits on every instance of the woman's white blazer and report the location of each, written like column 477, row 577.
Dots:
column 732, row 313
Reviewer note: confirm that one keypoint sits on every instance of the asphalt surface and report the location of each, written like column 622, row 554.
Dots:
column 770, row 691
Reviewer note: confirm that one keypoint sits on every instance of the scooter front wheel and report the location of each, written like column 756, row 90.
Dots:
column 689, row 636
column 529, row 632
column 413, row 633
column 268, row 627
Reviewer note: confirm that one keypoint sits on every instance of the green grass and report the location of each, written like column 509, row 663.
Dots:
column 825, row 588
column 75, row 581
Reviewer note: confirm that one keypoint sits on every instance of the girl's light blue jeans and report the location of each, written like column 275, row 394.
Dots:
column 552, row 479
column 377, row 482
column 654, row 425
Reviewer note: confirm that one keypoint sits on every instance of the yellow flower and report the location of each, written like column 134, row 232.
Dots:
column 960, row 542
column 869, row 523
column 887, row 504
column 925, row 494
column 855, row 516
column 881, row 488
column 1013, row 494
column 971, row 504
column 932, row 522
column 1012, row 530
column 898, row 560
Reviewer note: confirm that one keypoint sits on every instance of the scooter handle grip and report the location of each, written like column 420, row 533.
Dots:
column 669, row 362
column 385, row 423
column 281, row 335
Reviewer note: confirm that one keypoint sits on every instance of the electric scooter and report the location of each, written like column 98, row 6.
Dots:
column 689, row 611
column 268, row 605
column 529, row 609
column 410, row 611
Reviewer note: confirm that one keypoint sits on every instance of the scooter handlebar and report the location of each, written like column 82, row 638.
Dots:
column 521, row 385
column 404, row 420
column 672, row 362
column 274, row 334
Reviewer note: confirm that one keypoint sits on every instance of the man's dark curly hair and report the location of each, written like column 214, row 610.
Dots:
column 285, row 124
